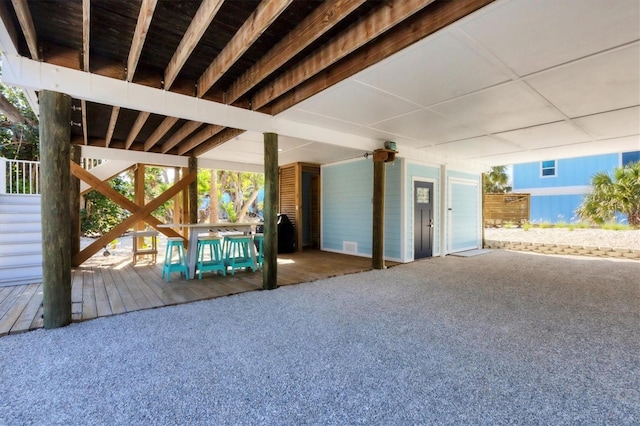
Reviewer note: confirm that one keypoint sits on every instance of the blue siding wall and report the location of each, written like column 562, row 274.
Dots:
column 393, row 211
column 427, row 172
column 569, row 172
column 347, row 191
column 555, row 208
column 551, row 200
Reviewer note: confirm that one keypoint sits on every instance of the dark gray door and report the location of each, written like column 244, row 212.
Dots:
column 422, row 219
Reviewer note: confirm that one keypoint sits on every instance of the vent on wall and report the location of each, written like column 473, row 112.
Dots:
column 350, row 247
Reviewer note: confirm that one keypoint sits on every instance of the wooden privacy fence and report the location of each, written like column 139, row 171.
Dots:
column 498, row 209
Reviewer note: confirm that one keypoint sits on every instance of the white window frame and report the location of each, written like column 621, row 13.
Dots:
column 542, row 169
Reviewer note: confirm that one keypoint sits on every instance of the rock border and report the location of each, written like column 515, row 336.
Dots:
column 565, row 249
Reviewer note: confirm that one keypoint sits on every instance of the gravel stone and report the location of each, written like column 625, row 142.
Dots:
column 576, row 237
column 501, row 338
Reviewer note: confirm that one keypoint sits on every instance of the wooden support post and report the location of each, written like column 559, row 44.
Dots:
column 74, row 204
column 138, row 197
column 270, row 244
column 184, row 210
column 214, row 204
column 55, row 147
column 377, row 255
column 193, row 191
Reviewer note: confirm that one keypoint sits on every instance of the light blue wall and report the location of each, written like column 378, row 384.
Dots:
column 428, row 172
column 569, row 172
column 554, row 208
column 347, row 192
column 547, row 206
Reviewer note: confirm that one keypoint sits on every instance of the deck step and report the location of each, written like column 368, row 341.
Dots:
column 20, row 239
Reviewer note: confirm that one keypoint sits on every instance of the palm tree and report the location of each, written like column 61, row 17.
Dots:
column 610, row 195
column 496, row 180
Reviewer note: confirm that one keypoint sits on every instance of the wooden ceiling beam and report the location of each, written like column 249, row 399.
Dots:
column 199, row 24
column 224, row 136
column 112, row 125
column 264, row 15
column 83, row 107
column 86, row 25
column 135, row 129
column 200, row 137
column 28, row 29
column 184, row 131
column 434, row 18
column 86, row 21
column 385, row 17
column 142, row 28
column 321, row 20
column 162, row 130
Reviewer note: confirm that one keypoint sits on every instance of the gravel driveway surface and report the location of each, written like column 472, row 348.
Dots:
column 502, row 338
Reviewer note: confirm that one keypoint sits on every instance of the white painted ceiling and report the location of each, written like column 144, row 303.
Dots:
column 517, row 81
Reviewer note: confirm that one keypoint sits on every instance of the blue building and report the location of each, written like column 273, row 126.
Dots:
column 557, row 187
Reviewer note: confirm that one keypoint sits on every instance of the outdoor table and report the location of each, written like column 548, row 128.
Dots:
column 196, row 229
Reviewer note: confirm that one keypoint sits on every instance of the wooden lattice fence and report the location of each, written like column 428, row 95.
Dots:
column 498, row 209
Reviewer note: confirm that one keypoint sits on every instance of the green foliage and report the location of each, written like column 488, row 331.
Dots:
column 614, row 226
column 101, row 214
column 238, row 185
column 526, row 226
column 619, row 193
column 496, row 180
column 18, row 141
column 545, row 225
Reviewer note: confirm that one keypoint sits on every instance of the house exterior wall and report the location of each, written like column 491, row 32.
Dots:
column 347, row 215
column 346, row 208
column 556, row 198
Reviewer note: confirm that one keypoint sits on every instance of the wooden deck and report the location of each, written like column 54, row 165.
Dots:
column 110, row 286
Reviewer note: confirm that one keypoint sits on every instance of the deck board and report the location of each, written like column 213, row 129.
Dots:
column 23, row 323
column 103, row 287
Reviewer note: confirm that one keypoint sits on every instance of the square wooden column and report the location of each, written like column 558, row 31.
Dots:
column 55, row 157
column 380, row 158
column 270, row 245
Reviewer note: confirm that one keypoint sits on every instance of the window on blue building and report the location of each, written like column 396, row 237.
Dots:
column 548, row 168
column 630, row 157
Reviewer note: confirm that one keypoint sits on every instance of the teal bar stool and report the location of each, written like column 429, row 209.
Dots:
column 215, row 262
column 239, row 252
column 259, row 242
column 169, row 265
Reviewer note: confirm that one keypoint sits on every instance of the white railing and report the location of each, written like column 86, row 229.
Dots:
column 19, row 177
column 23, row 177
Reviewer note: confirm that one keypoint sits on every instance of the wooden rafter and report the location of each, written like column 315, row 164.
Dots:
column 192, row 36
column 217, row 140
column 321, row 20
column 436, row 17
column 137, row 212
column 28, row 29
column 83, row 107
column 195, row 140
column 142, row 27
column 137, row 126
column 388, row 15
column 86, row 20
column 162, row 130
column 184, row 131
column 264, row 15
column 112, row 125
